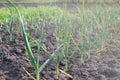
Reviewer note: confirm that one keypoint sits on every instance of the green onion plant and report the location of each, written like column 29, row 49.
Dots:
column 34, row 62
column 63, row 36
column 9, row 22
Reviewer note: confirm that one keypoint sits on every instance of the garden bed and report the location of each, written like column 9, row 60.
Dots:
column 90, row 43
column 101, row 66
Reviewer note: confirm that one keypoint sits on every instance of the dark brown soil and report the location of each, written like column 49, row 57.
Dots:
column 101, row 66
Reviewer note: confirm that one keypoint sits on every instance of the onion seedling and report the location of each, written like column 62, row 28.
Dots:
column 63, row 36
column 34, row 62
column 9, row 23
column 82, row 32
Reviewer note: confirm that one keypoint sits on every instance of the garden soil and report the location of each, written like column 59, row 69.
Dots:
column 103, row 65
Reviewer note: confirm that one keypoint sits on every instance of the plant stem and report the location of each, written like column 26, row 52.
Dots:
column 66, row 64
column 11, row 37
column 37, row 75
column 57, row 69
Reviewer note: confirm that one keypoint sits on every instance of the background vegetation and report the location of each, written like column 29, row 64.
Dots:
column 72, row 1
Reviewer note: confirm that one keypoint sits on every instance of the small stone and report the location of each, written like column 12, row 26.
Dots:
column 19, row 51
column 101, row 77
